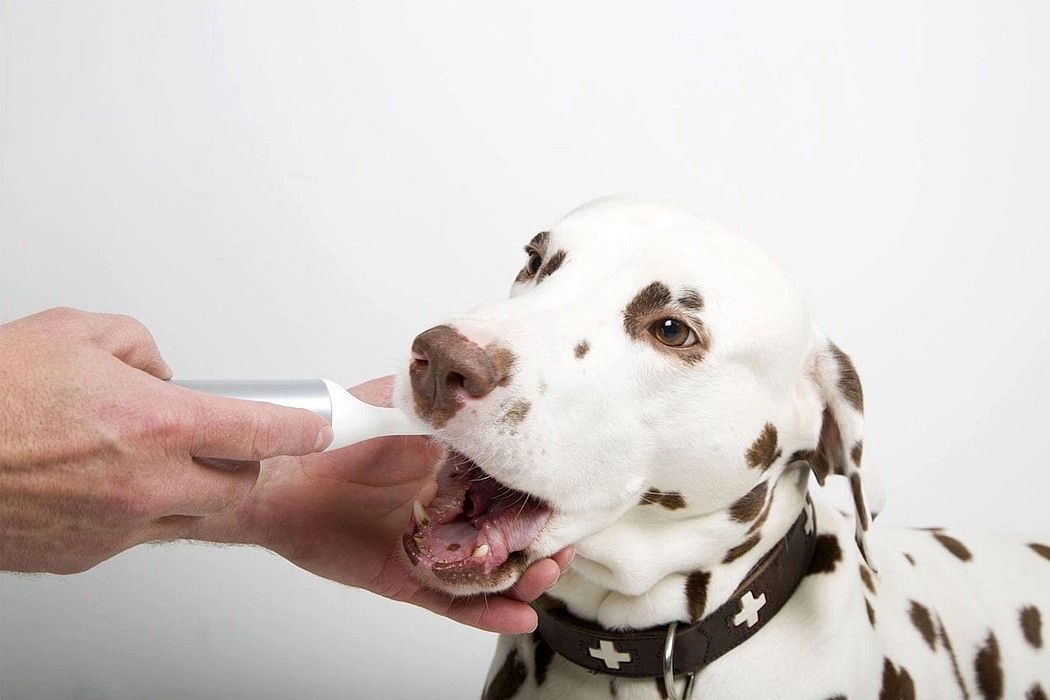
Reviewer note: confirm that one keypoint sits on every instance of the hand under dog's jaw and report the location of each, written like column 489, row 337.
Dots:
column 475, row 535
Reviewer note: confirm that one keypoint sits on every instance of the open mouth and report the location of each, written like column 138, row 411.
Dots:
column 476, row 529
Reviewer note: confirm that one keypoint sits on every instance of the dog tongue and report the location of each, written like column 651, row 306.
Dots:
column 474, row 521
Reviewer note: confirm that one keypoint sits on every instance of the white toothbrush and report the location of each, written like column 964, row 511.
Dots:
column 352, row 419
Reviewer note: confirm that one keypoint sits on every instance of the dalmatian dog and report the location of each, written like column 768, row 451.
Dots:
column 655, row 393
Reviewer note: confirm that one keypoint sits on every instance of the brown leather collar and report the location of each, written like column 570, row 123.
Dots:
column 640, row 653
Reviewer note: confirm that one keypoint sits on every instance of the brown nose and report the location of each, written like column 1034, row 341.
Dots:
column 446, row 365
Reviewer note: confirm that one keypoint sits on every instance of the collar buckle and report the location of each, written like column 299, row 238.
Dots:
column 669, row 682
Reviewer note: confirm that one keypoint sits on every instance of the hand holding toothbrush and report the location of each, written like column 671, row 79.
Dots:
column 97, row 455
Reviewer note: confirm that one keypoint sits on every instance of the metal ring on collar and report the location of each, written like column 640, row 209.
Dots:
column 690, row 678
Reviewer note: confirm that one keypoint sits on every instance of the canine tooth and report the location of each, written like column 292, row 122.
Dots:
column 480, row 550
column 421, row 515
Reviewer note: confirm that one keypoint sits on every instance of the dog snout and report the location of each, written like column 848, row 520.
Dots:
column 447, row 367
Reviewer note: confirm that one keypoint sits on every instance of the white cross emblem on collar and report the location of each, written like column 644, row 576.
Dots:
column 606, row 651
column 749, row 607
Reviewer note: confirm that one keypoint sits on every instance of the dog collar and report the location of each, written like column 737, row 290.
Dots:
column 662, row 652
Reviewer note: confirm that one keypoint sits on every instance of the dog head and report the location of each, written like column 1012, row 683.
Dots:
column 646, row 357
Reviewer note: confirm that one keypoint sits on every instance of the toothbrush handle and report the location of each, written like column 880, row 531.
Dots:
column 352, row 420
column 311, row 394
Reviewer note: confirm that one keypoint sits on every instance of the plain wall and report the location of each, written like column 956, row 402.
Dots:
column 297, row 189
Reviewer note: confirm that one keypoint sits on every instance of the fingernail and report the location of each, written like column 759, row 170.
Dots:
column 324, row 438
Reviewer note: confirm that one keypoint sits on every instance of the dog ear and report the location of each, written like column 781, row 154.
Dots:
column 841, row 443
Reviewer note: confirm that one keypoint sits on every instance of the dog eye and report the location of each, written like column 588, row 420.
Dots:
column 673, row 333
column 534, row 263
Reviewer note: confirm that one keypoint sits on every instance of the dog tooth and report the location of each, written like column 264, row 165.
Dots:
column 421, row 515
column 480, row 550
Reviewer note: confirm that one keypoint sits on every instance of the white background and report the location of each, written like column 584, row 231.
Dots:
column 298, row 189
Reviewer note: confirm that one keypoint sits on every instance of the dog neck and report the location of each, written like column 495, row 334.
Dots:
column 630, row 574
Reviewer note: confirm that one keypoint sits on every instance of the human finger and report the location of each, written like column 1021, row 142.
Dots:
column 494, row 613
column 378, row 391
column 234, row 429
column 541, row 575
column 563, row 557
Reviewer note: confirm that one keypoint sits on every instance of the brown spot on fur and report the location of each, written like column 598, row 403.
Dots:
column 696, row 593
column 544, row 654
column 826, row 555
column 896, row 684
column 503, row 360
column 989, row 669
column 764, row 450
column 954, row 546
column 741, row 549
column 750, row 505
column 582, row 348
column 1032, row 626
column 551, row 266
column 517, row 412
column 672, row 500
column 761, row 518
column 943, row 636
column 1040, row 549
column 920, row 617
column 645, row 309
column 849, row 380
column 816, row 460
column 871, row 612
column 865, row 575
column 691, row 300
column 838, row 697
column 1036, row 692
column 858, row 499
column 857, row 452
column 648, row 301
column 508, row 679
column 910, row 558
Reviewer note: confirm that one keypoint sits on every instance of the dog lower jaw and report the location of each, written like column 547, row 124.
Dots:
column 477, row 534
column 465, row 578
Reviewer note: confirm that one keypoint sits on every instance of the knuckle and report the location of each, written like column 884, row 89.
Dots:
column 164, row 424
column 133, row 330
column 63, row 314
column 68, row 320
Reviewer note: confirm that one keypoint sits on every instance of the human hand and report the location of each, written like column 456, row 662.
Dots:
column 341, row 515
column 98, row 455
